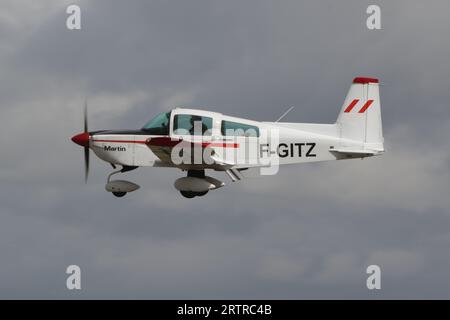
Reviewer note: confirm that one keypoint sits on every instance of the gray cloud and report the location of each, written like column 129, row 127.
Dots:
column 308, row 232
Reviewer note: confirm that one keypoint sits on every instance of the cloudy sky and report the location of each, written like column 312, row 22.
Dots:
column 308, row 232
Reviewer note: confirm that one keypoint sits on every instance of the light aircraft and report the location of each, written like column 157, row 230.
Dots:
column 229, row 144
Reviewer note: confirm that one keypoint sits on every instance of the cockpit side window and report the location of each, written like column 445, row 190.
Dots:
column 186, row 124
column 159, row 125
column 230, row 128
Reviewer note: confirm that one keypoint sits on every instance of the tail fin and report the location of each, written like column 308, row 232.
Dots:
column 359, row 121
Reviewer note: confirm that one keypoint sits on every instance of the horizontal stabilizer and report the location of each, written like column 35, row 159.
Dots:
column 355, row 153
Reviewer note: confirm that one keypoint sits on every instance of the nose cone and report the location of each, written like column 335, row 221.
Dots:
column 81, row 139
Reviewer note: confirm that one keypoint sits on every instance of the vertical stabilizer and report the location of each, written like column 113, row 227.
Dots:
column 359, row 121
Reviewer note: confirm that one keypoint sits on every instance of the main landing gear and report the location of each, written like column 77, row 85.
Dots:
column 119, row 194
column 120, row 188
column 192, row 194
column 196, row 184
column 200, row 174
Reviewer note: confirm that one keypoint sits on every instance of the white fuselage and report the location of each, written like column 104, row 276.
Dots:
column 282, row 142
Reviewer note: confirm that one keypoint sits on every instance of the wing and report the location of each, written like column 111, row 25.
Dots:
column 162, row 147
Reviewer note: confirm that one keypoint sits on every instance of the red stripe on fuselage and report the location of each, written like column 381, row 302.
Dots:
column 121, row 141
column 173, row 142
column 220, row 144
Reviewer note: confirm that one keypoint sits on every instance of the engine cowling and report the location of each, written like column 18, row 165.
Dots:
column 195, row 184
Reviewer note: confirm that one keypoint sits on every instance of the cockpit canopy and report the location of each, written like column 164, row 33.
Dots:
column 196, row 122
column 184, row 124
column 159, row 125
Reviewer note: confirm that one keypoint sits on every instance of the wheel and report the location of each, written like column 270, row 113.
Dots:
column 200, row 194
column 119, row 194
column 188, row 194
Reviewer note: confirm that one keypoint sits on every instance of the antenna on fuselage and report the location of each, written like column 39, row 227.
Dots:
column 284, row 114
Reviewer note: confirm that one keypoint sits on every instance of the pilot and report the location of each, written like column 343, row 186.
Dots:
column 195, row 120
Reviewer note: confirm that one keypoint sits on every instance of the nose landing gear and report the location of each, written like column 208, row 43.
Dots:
column 120, row 188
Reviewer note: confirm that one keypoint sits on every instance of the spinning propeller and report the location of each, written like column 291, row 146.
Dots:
column 82, row 139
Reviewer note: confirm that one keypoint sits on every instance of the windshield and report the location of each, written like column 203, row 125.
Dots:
column 159, row 125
